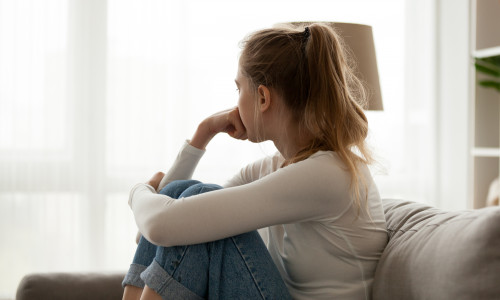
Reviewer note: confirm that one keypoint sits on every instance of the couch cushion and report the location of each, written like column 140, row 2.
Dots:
column 75, row 286
column 436, row 254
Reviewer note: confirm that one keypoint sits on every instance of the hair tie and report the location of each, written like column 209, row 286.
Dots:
column 306, row 34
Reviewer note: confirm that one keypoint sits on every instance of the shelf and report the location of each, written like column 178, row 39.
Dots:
column 486, row 23
column 487, row 52
column 485, row 172
column 486, row 152
column 484, row 146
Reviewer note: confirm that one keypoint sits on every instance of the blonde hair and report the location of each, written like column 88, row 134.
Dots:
column 310, row 68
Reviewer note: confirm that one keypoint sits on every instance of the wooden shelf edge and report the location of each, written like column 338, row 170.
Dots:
column 487, row 52
column 486, row 152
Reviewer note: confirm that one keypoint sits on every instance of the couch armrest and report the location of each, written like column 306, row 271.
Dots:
column 76, row 286
column 438, row 254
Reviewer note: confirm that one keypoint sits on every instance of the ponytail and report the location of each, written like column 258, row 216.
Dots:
column 333, row 111
column 311, row 70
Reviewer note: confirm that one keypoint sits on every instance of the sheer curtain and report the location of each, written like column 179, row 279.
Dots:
column 98, row 95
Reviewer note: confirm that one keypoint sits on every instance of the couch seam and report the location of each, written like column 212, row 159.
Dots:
column 436, row 225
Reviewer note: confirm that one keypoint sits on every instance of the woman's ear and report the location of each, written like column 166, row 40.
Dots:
column 264, row 98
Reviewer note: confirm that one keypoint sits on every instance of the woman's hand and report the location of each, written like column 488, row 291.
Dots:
column 227, row 121
column 155, row 180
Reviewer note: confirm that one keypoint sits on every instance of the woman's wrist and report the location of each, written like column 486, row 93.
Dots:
column 202, row 136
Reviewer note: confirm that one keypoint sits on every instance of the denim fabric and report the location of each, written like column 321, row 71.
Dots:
column 238, row 267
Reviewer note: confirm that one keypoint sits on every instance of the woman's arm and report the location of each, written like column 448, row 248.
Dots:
column 228, row 121
column 256, row 170
column 183, row 166
column 311, row 189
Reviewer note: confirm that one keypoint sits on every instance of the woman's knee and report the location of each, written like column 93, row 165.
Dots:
column 175, row 188
column 199, row 188
column 145, row 253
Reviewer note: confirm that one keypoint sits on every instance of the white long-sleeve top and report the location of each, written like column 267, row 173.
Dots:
column 321, row 246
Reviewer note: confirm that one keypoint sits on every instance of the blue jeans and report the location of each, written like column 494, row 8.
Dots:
column 238, row 267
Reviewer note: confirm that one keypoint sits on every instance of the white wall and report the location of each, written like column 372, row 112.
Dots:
column 452, row 106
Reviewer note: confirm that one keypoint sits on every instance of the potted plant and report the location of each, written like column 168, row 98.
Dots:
column 490, row 66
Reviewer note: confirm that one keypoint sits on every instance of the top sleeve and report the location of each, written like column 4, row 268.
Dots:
column 256, row 170
column 184, row 165
column 299, row 192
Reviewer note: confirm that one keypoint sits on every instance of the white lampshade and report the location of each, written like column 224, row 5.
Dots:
column 359, row 39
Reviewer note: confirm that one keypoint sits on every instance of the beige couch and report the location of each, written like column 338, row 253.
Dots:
column 432, row 254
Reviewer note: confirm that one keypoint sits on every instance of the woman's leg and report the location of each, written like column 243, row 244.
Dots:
column 131, row 292
column 146, row 252
column 238, row 267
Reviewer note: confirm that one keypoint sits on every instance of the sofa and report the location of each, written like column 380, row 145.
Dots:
column 431, row 254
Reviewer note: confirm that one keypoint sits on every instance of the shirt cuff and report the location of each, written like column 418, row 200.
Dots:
column 192, row 149
column 140, row 187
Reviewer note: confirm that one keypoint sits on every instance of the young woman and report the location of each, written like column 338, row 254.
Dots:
column 315, row 198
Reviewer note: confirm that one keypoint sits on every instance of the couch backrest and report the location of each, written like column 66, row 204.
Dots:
column 74, row 286
column 436, row 254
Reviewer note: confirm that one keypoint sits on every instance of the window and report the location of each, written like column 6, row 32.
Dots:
column 98, row 95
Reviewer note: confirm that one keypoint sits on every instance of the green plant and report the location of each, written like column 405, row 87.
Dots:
column 491, row 67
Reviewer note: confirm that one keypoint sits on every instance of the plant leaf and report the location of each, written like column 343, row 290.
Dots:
column 488, row 66
column 494, row 60
column 486, row 70
column 490, row 84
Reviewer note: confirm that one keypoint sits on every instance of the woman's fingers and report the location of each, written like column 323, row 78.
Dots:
column 238, row 129
column 228, row 121
column 156, row 179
